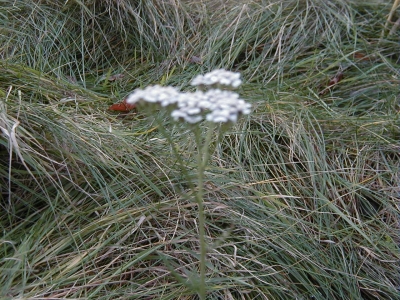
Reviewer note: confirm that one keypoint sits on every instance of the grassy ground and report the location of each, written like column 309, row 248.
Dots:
column 302, row 196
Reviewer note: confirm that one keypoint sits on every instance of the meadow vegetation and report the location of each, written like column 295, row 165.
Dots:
column 301, row 197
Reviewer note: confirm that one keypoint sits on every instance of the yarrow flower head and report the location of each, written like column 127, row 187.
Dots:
column 218, row 77
column 215, row 105
column 226, row 106
column 191, row 107
column 155, row 94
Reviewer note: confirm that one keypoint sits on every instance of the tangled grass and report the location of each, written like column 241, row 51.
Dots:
column 301, row 198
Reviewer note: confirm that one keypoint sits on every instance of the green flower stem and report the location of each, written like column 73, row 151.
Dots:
column 203, row 155
column 160, row 126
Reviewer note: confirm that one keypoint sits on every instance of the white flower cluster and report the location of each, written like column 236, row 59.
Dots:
column 155, row 94
column 191, row 107
column 226, row 106
column 215, row 105
column 221, row 77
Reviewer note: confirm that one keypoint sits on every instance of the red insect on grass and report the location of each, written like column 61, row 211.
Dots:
column 122, row 106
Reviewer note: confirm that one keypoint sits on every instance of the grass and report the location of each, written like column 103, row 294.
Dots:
column 301, row 198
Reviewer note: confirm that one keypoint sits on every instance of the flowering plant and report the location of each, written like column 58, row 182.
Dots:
column 215, row 103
